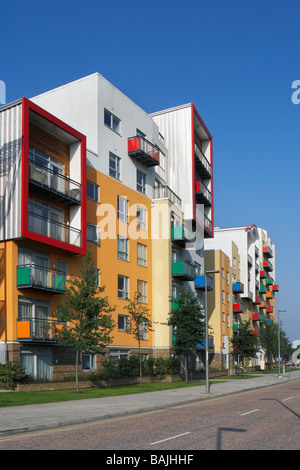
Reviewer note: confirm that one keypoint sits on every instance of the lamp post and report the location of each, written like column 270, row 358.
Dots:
column 206, row 330
column 282, row 310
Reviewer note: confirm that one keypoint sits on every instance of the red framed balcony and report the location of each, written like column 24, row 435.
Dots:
column 267, row 266
column 143, row 150
column 275, row 288
column 267, row 252
column 202, row 165
column 238, row 308
column 203, row 194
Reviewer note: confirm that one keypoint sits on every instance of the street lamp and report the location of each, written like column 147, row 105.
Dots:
column 282, row 310
column 206, row 330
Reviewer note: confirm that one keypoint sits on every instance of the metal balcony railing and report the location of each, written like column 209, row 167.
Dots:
column 53, row 229
column 57, row 184
column 41, row 278
column 144, row 150
column 203, row 166
column 37, row 329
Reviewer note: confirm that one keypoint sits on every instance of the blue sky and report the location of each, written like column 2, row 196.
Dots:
column 235, row 60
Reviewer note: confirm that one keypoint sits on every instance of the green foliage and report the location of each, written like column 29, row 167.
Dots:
column 188, row 321
column 244, row 344
column 87, row 314
column 130, row 367
column 269, row 341
column 10, row 373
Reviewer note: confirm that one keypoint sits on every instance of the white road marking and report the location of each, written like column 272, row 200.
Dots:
column 248, row 412
column 289, row 398
column 169, row 438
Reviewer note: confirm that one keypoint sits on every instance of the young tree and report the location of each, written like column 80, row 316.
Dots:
column 87, row 313
column 139, row 323
column 269, row 341
column 244, row 344
column 188, row 321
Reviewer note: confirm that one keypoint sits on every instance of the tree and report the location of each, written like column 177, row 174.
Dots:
column 188, row 321
column 269, row 341
column 244, row 344
column 87, row 313
column 139, row 323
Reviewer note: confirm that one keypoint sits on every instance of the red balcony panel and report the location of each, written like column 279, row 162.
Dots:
column 143, row 150
column 269, row 309
column 238, row 308
column 255, row 332
column 275, row 288
column 254, row 316
column 263, row 275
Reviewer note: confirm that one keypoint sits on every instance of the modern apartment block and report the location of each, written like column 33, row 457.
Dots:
column 83, row 167
column 250, row 277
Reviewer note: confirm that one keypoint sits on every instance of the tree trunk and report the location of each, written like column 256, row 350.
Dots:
column 185, row 366
column 140, row 357
column 77, row 361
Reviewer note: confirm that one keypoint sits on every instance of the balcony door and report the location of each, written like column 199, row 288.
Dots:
column 46, row 170
column 46, row 220
column 37, row 311
column 39, row 265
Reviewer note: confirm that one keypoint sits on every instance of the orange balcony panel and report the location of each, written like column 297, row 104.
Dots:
column 262, row 305
column 23, row 329
column 269, row 295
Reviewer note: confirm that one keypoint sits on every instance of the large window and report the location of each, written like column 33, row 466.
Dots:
column 92, row 233
column 141, row 255
column 114, row 166
column 123, row 287
column 141, row 217
column 112, row 121
column 92, row 191
column 122, row 248
column 88, row 362
column 46, row 220
column 123, row 323
column 122, row 209
column 141, row 182
column 142, row 291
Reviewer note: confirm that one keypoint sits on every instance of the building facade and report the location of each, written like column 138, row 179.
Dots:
column 84, row 168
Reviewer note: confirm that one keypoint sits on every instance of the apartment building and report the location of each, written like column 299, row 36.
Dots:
column 83, row 167
column 251, row 256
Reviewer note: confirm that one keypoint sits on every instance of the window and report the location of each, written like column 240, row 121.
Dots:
column 143, row 330
column 88, row 361
column 123, row 323
column 92, row 233
column 141, row 255
column 197, row 269
column 141, row 182
column 92, row 191
column 122, row 287
column 142, row 291
column 141, row 217
column 45, row 220
column 122, row 248
column 114, row 166
column 122, row 209
column 175, row 255
column 62, row 266
column 112, row 121
column 175, row 290
column 118, row 353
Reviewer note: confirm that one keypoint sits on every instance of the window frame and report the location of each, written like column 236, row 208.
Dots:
column 95, row 188
column 142, row 261
column 141, row 186
column 122, row 215
column 125, row 288
column 113, row 119
column 143, row 293
column 123, row 255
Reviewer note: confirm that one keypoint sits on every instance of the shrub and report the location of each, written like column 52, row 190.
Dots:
column 10, row 373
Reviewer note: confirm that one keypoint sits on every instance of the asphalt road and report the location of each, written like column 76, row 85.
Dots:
column 266, row 419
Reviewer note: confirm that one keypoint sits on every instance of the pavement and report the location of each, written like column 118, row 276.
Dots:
column 29, row 418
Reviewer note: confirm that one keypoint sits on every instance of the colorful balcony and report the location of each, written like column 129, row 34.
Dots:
column 238, row 287
column 255, row 316
column 269, row 309
column 269, row 295
column 262, row 319
column 200, row 282
column 53, row 184
column 183, row 270
column 268, row 252
column 275, row 288
column 267, row 266
column 178, row 235
column 31, row 276
column 262, row 305
column 37, row 330
column 203, row 194
column 262, row 290
column 235, row 327
column 238, row 308
column 255, row 332
column 257, row 300
column 262, row 274
column 174, row 304
column 143, row 150
column 269, row 281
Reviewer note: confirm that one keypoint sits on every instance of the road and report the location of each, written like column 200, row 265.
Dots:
column 266, row 419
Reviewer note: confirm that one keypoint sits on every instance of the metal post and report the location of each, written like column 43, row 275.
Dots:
column 206, row 332
column 279, row 343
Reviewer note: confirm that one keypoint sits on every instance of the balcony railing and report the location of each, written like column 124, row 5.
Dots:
column 203, row 167
column 183, row 270
column 238, row 287
column 163, row 191
column 37, row 329
column 203, row 194
column 53, row 229
column 267, row 266
column 41, row 278
column 275, row 288
column 200, row 282
column 267, row 251
column 59, row 186
column 143, row 150
column 238, row 308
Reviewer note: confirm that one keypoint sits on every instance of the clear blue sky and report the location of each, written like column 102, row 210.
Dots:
column 235, row 60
